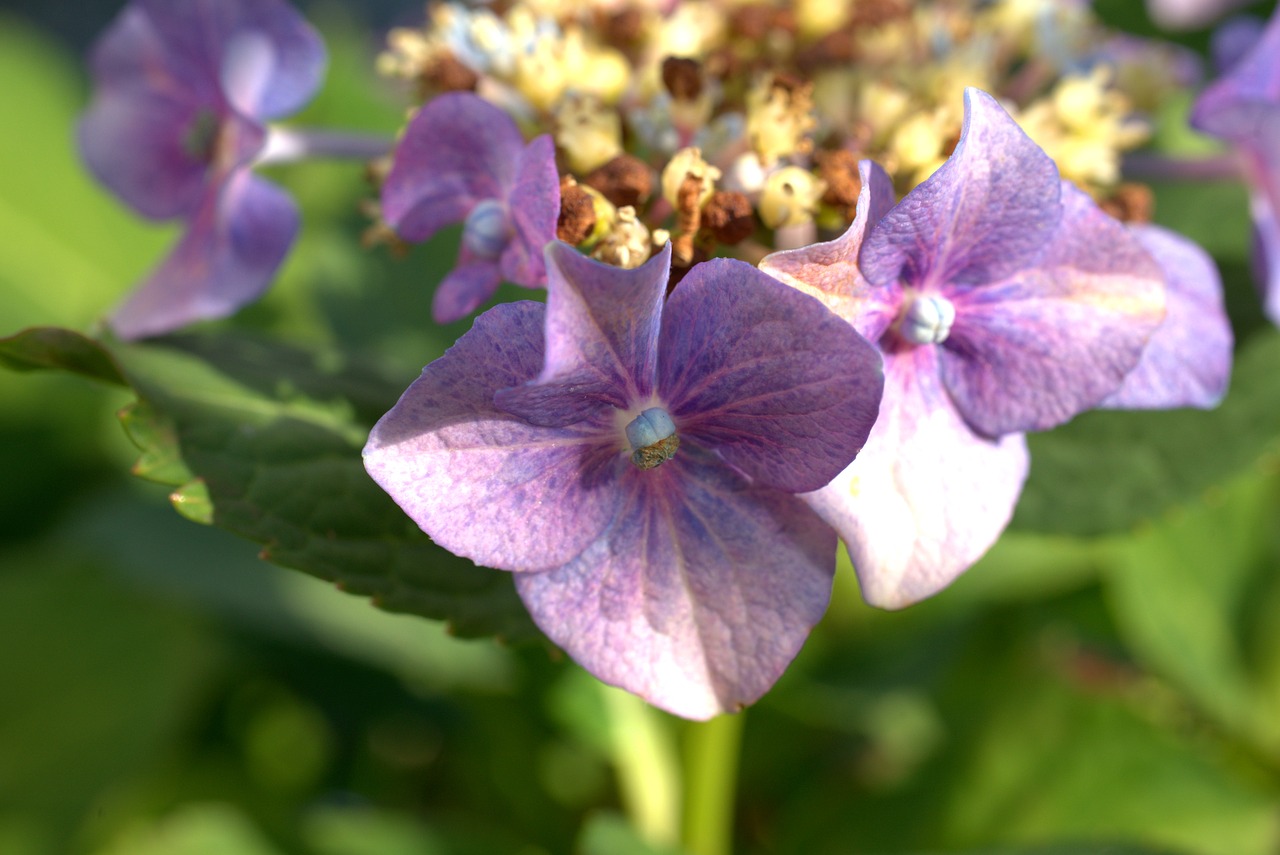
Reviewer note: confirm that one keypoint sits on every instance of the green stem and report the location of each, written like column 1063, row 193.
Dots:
column 644, row 756
column 711, row 775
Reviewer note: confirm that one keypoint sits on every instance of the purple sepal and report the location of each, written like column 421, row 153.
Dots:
column 534, row 207
column 1233, row 40
column 926, row 496
column 829, row 271
column 227, row 258
column 465, row 288
column 1187, row 362
column 602, row 337
column 699, row 592
column 782, row 388
column 456, row 152
column 483, row 483
column 986, row 214
column 1030, row 352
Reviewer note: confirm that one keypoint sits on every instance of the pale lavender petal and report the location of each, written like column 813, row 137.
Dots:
column 457, row 151
column 698, row 594
column 987, row 212
column 284, row 57
column 486, row 485
column 926, row 496
column 780, row 386
column 602, row 337
column 534, row 207
column 1266, row 244
column 1231, row 107
column 1034, row 350
column 1233, row 40
column 829, row 271
column 1187, row 363
column 226, row 259
column 464, row 288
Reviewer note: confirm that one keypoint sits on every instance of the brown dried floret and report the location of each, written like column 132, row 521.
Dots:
column 727, row 216
column 446, row 73
column 624, row 180
column 682, row 77
column 1130, row 203
column 577, row 212
column 839, row 169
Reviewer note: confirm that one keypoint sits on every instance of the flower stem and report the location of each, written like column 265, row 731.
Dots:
column 1144, row 165
column 711, row 773
column 285, row 145
column 645, row 759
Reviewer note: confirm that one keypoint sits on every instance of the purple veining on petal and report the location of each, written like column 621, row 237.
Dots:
column 829, row 271
column 926, row 496
column 782, row 388
column 699, row 592
column 1187, row 362
column 230, row 253
column 534, row 204
column 987, row 212
column 481, row 482
column 1031, row 351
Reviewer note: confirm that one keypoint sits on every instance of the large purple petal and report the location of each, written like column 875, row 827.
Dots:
column 602, row 337
column 1030, row 352
column 1229, row 107
column 226, row 259
column 698, row 594
column 984, row 215
column 829, row 271
column 464, row 288
column 927, row 496
column 135, row 53
column 1187, row 363
column 457, row 151
column 534, row 208
column 769, row 377
column 264, row 57
column 483, row 484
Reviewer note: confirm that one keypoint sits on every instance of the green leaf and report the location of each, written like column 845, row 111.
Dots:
column 609, row 833
column 243, row 430
column 194, row 829
column 1106, row 471
column 54, row 348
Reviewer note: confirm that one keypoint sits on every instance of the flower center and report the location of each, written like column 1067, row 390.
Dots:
column 928, row 320
column 486, row 231
column 201, row 139
column 653, row 438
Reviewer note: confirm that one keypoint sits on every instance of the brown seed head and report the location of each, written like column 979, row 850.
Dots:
column 625, row 180
column 728, row 217
column 577, row 212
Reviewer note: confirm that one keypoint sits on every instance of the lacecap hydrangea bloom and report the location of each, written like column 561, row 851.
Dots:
column 1243, row 108
column 463, row 160
column 1004, row 301
column 183, row 91
column 635, row 461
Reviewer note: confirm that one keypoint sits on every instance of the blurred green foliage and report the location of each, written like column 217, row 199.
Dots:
column 1106, row 680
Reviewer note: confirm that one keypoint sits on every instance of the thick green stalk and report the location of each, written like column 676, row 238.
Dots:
column 711, row 779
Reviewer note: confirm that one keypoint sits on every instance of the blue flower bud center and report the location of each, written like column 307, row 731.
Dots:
column 653, row 439
column 487, row 230
column 928, row 319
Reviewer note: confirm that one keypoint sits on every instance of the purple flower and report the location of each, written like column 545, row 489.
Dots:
column 1243, row 108
column 1004, row 301
column 183, row 90
column 463, row 160
column 634, row 462
column 1189, row 14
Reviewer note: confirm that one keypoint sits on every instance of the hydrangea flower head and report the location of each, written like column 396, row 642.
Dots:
column 634, row 461
column 184, row 88
column 1243, row 108
column 1004, row 301
column 463, row 160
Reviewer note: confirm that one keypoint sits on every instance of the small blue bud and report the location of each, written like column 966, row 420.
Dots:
column 487, row 231
column 928, row 320
column 653, row 438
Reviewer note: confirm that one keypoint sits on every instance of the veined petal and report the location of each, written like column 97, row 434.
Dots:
column 983, row 216
column 926, row 496
column 602, row 337
column 457, row 151
column 1030, row 352
column 228, row 256
column 776, row 383
column 699, row 592
column 534, row 207
column 829, row 271
column 486, row 485
column 1187, row 362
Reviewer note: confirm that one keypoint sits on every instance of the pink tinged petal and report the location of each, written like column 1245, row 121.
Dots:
column 698, row 594
column 464, row 289
column 829, row 271
column 782, row 388
column 483, row 484
column 1034, row 350
column 1266, row 245
column 457, row 150
column 927, row 496
column 602, row 337
column 227, row 258
column 534, row 208
column 984, row 215
column 1187, row 362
